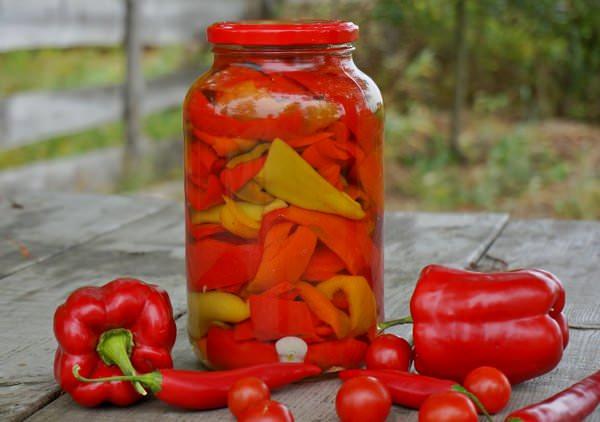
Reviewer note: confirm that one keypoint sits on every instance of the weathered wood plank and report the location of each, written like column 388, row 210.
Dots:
column 570, row 249
column 35, row 227
column 412, row 240
column 150, row 248
column 28, row 24
column 96, row 171
column 30, row 116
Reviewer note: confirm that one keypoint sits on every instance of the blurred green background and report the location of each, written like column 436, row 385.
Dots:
column 529, row 140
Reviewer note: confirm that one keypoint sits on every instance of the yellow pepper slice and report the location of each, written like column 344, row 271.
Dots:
column 252, row 192
column 243, row 219
column 288, row 176
column 253, row 154
column 361, row 301
column 214, row 306
column 322, row 307
column 210, row 215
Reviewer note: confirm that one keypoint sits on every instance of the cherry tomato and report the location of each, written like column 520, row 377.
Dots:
column 490, row 386
column 449, row 406
column 266, row 411
column 388, row 351
column 363, row 399
column 245, row 392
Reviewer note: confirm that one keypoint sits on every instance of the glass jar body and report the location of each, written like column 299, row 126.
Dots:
column 284, row 207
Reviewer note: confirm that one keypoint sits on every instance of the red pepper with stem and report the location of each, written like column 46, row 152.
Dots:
column 123, row 326
column 204, row 389
column 570, row 405
column 462, row 320
column 410, row 390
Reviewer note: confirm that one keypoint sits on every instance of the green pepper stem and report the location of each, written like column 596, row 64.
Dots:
column 153, row 380
column 474, row 399
column 382, row 326
column 114, row 348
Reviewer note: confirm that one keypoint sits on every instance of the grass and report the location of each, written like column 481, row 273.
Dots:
column 78, row 67
column 159, row 126
column 530, row 169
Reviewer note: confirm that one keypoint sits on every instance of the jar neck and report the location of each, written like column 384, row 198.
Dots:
column 307, row 54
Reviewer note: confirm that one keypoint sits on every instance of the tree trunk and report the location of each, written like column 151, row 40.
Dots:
column 460, row 71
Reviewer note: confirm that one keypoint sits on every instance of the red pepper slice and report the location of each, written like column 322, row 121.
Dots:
column 235, row 178
column 323, row 265
column 199, row 231
column 285, row 256
column 337, row 87
column 214, row 264
column 201, row 114
column 244, row 331
column 347, row 353
column 201, row 199
column 224, row 352
column 349, row 239
column 274, row 318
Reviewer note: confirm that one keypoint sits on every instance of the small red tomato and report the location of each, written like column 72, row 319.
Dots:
column 490, row 386
column 266, row 411
column 363, row 399
column 245, row 392
column 388, row 351
column 449, row 406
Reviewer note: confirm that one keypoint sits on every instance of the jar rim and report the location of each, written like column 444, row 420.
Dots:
column 282, row 32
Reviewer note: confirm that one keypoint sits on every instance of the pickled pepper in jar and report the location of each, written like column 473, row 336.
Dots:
column 284, row 197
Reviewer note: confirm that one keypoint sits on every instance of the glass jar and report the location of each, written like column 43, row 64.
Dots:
column 284, row 197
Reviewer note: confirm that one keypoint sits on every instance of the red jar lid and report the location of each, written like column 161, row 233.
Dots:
column 316, row 32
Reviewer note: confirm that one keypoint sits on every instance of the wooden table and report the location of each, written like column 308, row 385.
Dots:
column 51, row 244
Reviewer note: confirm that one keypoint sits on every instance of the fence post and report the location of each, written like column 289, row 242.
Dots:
column 133, row 89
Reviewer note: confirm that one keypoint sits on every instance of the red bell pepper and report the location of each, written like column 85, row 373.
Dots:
column 214, row 264
column 273, row 318
column 346, row 353
column 224, row 352
column 120, row 328
column 512, row 321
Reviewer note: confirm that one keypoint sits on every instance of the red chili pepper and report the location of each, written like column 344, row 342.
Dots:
column 570, row 405
column 224, row 352
column 406, row 389
column 347, row 353
column 512, row 321
column 273, row 318
column 208, row 390
column 101, row 328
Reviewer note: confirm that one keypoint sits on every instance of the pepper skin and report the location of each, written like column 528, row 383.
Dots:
column 572, row 404
column 200, row 390
column 224, row 352
column 512, row 321
column 406, row 389
column 98, row 327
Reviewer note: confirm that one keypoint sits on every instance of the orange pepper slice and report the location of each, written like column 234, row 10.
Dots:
column 285, row 256
column 322, row 307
